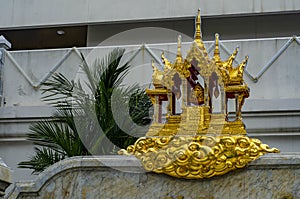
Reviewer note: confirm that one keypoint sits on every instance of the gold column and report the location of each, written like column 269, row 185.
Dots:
column 156, row 109
column 223, row 101
column 184, row 93
column 236, row 106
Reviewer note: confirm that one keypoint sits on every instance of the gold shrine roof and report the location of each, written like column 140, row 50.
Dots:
column 229, row 74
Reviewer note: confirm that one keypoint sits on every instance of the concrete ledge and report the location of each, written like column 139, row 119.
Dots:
column 272, row 176
column 25, row 112
column 5, row 177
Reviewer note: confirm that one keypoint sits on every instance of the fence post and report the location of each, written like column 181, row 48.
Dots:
column 4, row 45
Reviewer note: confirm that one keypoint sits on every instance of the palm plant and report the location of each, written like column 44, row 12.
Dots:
column 86, row 124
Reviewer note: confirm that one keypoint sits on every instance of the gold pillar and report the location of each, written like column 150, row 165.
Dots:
column 156, row 109
column 223, row 101
column 236, row 106
column 171, row 107
column 184, row 93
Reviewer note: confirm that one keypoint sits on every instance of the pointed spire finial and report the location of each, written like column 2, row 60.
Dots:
column 165, row 60
column 232, row 57
column 179, row 47
column 217, row 50
column 152, row 64
column 198, row 34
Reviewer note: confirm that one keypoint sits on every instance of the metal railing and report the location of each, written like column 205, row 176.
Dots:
column 148, row 48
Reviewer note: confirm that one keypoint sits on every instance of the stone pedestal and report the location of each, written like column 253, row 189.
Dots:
column 271, row 176
column 5, row 177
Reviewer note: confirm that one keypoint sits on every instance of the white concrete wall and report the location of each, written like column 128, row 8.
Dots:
column 280, row 80
column 16, row 14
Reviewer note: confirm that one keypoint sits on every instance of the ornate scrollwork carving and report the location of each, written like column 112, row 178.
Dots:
column 198, row 156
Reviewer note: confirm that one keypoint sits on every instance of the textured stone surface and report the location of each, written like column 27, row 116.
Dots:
column 272, row 176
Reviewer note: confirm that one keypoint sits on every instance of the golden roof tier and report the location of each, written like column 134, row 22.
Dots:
column 200, row 140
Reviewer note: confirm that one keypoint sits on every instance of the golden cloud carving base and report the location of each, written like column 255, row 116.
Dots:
column 196, row 157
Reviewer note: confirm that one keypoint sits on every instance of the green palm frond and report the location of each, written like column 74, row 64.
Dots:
column 43, row 158
column 140, row 107
column 58, row 90
column 83, row 123
column 58, row 136
column 107, row 71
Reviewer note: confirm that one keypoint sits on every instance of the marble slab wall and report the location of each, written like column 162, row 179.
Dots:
column 116, row 177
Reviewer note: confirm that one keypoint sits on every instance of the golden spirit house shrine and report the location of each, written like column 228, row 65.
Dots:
column 202, row 141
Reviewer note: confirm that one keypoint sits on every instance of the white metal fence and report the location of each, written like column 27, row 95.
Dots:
column 272, row 72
